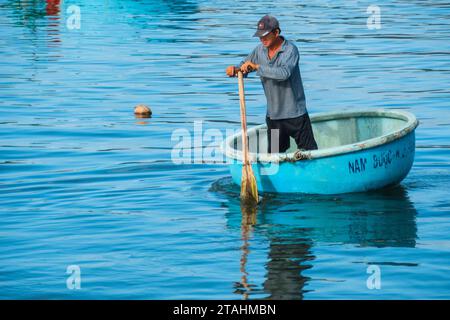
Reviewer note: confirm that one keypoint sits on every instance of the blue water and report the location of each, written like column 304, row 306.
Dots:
column 83, row 182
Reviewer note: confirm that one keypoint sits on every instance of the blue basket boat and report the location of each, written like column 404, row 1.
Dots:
column 358, row 151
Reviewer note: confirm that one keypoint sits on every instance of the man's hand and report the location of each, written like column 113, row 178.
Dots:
column 232, row 71
column 245, row 67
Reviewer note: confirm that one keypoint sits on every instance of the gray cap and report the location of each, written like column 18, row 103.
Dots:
column 266, row 25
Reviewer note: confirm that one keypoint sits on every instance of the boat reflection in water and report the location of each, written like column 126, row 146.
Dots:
column 294, row 224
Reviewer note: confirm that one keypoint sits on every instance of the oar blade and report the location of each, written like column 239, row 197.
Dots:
column 249, row 190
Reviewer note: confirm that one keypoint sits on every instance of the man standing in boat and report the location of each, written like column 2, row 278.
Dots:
column 276, row 61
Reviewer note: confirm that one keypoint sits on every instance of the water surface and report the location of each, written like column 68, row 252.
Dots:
column 83, row 182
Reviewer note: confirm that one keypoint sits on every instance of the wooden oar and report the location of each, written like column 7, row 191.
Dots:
column 249, row 192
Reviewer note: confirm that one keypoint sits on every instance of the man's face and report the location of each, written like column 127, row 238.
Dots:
column 269, row 39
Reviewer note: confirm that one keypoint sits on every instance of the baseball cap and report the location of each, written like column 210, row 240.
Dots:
column 266, row 25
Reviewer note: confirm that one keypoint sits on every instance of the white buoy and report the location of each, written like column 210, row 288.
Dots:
column 142, row 111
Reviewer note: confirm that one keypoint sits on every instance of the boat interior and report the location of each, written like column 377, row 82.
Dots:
column 332, row 132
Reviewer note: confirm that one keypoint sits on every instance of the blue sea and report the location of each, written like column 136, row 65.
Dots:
column 92, row 205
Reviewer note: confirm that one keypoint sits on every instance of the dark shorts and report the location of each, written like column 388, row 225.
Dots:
column 298, row 128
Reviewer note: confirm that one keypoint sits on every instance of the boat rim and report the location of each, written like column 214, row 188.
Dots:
column 410, row 125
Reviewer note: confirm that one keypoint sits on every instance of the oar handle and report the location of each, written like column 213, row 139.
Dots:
column 243, row 117
column 249, row 190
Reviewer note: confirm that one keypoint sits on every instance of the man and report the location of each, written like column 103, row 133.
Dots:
column 275, row 60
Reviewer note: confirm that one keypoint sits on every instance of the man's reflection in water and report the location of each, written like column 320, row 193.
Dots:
column 284, row 279
column 293, row 224
column 287, row 261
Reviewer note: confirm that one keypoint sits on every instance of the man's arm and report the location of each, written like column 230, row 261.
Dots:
column 284, row 71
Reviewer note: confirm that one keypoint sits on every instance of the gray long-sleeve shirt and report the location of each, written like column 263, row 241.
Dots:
column 281, row 80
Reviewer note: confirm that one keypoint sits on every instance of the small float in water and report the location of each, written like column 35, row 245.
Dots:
column 358, row 151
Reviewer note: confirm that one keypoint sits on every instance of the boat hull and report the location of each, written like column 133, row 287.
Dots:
column 360, row 171
column 368, row 168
